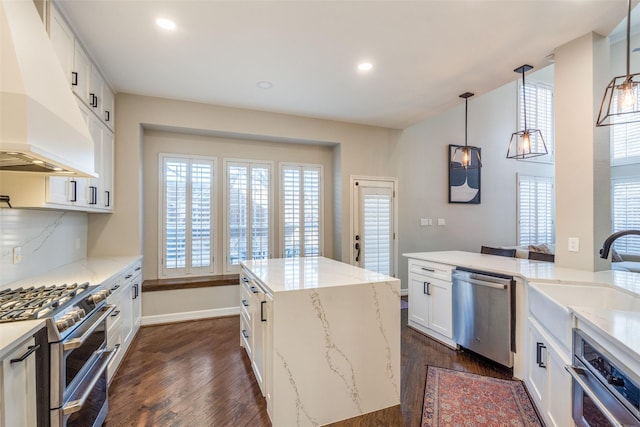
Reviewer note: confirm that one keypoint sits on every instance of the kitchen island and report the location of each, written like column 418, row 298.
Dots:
column 323, row 337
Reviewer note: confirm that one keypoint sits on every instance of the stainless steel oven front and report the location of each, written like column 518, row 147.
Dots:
column 78, row 372
column 605, row 392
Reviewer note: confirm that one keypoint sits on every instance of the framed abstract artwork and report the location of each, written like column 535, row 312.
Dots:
column 464, row 183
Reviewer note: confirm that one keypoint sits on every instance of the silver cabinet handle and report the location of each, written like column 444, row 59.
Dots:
column 77, row 342
column 576, row 373
column 486, row 284
column 76, row 405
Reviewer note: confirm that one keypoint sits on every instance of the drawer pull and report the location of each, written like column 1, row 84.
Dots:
column 245, row 303
column 115, row 313
column 426, row 288
column 245, row 334
column 539, row 347
column 115, row 287
column 430, row 270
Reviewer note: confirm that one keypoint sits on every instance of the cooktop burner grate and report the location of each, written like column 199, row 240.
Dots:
column 36, row 302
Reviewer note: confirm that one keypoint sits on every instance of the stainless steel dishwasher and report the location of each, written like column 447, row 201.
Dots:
column 484, row 314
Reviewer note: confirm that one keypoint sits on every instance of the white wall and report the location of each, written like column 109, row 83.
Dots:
column 48, row 238
column 422, row 168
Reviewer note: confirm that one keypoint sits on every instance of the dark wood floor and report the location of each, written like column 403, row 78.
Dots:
column 196, row 374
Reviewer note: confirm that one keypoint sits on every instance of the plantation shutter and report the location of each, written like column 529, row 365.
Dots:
column 248, row 212
column 535, row 210
column 300, row 210
column 187, row 210
column 539, row 108
column 625, row 138
column 377, row 234
column 626, row 214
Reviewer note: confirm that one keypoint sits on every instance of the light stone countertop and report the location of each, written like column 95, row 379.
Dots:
column 620, row 326
column 296, row 274
column 92, row 270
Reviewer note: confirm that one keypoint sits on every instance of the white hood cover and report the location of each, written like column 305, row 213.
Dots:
column 39, row 116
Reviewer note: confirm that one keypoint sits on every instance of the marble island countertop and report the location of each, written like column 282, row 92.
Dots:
column 295, row 274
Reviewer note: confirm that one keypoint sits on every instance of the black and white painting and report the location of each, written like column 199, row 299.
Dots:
column 464, row 183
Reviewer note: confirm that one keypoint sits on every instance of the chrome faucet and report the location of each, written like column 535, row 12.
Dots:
column 606, row 246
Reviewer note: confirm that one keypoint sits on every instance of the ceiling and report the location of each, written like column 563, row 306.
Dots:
column 424, row 53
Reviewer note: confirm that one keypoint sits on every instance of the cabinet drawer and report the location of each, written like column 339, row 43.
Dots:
column 432, row 269
column 245, row 302
column 245, row 334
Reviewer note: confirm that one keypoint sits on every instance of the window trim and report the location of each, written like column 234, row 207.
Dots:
column 281, row 222
column 214, row 216
column 227, row 268
column 519, row 178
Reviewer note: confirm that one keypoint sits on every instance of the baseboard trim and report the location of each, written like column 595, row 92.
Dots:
column 189, row 315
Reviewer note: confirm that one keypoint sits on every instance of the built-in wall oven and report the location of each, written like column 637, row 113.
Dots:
column 72, row 359
column 605, row 391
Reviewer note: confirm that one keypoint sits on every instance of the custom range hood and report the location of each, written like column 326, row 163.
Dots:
column 41, row 128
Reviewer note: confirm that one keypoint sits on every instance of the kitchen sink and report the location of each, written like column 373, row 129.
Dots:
column 549, row 302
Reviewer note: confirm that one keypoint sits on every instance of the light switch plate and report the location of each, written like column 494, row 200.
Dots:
column 573, row 244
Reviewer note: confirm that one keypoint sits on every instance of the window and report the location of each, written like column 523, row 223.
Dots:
column 539, row 96
column 301, row 210
column 625, row 195
column 248, row 220
column 535, row 210
column 187, row 215
column 625, row 140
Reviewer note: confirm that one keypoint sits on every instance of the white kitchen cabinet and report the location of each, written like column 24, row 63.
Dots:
column 254, row 329
column 18, row 392
column 431, row 300
column 547, row 381
column 83, row 74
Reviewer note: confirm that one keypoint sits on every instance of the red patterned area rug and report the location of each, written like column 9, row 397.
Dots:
column 453, row 398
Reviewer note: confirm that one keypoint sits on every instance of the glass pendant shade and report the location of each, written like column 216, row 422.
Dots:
column 526, row 143
column 466, row 156
column 620, row 104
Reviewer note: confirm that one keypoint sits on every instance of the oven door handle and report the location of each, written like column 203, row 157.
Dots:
column 577, row 373
column 77, row 342
column 76, row 405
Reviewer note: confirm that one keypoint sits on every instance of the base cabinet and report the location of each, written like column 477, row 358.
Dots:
column 18, row 392
column 125, row 320
column 547, row 381
column 431, row 300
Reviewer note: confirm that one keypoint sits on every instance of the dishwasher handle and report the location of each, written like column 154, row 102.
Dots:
column 487, row 284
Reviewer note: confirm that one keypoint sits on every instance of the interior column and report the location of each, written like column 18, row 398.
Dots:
column 583, row 201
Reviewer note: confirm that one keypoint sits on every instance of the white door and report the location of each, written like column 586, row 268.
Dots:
column 374, row 230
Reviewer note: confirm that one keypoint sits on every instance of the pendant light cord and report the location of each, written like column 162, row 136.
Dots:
column 628, row 37
column 466, row 102
column 524, row 101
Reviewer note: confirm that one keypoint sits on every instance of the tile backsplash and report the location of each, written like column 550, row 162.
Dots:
column 48, row 239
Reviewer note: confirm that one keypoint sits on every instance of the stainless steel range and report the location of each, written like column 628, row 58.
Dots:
column 73, row 356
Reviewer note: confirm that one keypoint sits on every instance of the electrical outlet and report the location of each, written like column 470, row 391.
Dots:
column 425, row 222
column 573, row 244
column 17, row 254
column 441, row 222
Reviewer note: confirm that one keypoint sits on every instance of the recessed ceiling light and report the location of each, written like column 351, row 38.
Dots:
column 264, row 84
column 365, row 66
column 57, row 169
column 37, row 162
column 166, row 24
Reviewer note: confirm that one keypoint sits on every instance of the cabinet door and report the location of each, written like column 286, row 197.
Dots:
column 558, row 391
column 136, row 303
column 440, row 306
column 57, row 190
column 105, row 196
column 418, row 300
column 537, row 365
column 94, row 184
column 18, row 378
column 126, row 312
column 108, row 112
column 63, row 40
column 82, row 70
column 96, row 88
column 258, row 321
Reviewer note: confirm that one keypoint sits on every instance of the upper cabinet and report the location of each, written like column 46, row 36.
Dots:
column 83, row 74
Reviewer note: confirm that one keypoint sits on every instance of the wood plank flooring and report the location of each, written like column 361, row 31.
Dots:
column 196, row 374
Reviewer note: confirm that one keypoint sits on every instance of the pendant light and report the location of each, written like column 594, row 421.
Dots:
column 526, row 143
column 466, row 157
column 620, row 102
